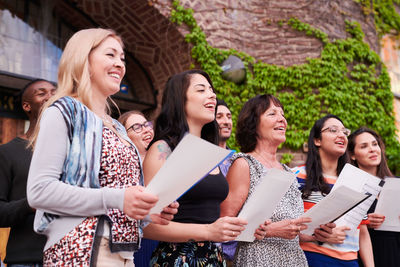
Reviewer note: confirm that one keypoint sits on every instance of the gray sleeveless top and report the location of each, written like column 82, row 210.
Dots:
column 272, row 251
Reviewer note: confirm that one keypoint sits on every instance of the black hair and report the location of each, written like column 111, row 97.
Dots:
column 171, row 124
column 221, row 102
column 23, row 90
column 383, row 169
column 18, row 100
column 315, row 180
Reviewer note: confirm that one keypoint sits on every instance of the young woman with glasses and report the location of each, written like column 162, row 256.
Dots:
column 326, row 158
column 139, row 130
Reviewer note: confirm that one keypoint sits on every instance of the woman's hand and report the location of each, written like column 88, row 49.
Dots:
column 137, row 203
column 375, row 220
column 225, row 229
column 261, row 231
column 287, row 229
column 328, row 235
column 323, row 232
column 166, row 215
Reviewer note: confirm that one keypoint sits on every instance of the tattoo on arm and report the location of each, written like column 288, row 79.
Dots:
column 164, row 150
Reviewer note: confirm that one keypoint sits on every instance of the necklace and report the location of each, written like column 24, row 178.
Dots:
column 269, row 165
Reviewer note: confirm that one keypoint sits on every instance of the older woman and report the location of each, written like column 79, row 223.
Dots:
column 367, row 152
column 261, row 129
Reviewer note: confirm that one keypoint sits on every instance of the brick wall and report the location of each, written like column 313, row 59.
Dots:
column 148, row 35
column 253, row 27
column 250, row 26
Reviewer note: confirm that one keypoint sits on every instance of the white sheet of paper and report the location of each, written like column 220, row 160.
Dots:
column 332, row 206
column 390, row 194
column 192, row 159
column 262, row 203
column 362, row 182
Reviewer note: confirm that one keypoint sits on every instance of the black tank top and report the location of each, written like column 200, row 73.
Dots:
column 201, row 204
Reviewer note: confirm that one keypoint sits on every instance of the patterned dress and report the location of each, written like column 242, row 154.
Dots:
column 272, row 251
column 199, row 205
column 119, row 168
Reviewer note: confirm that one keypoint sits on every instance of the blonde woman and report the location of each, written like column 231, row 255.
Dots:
column 85, row 176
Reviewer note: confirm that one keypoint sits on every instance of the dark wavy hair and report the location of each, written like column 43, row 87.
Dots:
column 171, row 124
column 315, row 180
column 383, row 169
column 249, row 118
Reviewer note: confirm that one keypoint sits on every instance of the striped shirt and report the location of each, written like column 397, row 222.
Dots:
column 346, row 251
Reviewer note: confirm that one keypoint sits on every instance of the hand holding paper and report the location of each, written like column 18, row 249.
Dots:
column 166, row 215
column 225, row 229
column 336, row 235
column 334, row 205
column 269, row 192
column 138, row 203
column 287, row 229
column 362, row 182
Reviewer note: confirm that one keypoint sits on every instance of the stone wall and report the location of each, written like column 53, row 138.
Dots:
column 148, row 35
column 255, row 27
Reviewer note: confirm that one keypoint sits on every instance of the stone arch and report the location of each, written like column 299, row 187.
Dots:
column 155, row 48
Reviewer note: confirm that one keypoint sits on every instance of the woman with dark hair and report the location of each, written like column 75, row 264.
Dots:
column 261, row 128
column 188, row 105
column 367, row 152
column 326, row 157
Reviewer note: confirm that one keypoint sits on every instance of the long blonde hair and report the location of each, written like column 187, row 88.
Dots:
column 73, row 71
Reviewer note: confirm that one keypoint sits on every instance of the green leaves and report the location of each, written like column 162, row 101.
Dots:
column 348, row 80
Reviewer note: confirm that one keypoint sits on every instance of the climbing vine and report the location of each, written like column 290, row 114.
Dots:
column 385, row 15
column 348, row 80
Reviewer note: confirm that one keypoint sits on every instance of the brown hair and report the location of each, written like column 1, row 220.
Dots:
column 249, row 118
column 124, row 117
column 383, row 169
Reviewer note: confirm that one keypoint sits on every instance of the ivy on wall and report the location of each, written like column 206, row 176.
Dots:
column 385, row 15
column 348, row 80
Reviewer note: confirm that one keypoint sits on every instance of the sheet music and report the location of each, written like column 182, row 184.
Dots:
column 262, row 203
column 335, row 204
column 362, row 182
column 192, row 159
column 390, row 194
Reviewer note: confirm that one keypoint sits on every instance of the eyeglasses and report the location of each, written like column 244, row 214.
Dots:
column 137, row 127
column 335, row 130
